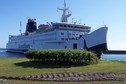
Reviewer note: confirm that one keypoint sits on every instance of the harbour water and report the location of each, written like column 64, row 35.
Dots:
column 4, row 54
column 117, row 57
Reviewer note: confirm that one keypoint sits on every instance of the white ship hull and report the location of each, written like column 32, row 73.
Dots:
column 95, row 41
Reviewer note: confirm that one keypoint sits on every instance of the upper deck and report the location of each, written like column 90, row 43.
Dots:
column 72, row 27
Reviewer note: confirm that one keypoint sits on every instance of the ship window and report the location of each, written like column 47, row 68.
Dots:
column 71, row 26
column 65, row 26
column 61, row 25
column 33, row 41
column 75, row 46
column 68, row 26
column 62, row 33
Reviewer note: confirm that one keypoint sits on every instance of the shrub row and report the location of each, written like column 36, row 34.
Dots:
column 63, row 56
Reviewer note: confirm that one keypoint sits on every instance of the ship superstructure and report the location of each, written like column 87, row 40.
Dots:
column 58, row 35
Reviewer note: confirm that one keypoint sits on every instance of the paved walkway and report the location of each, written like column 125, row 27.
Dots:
column 70, row 77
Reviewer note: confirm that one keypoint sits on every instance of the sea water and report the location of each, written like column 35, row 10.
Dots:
column 116, row 57
column 4, row 54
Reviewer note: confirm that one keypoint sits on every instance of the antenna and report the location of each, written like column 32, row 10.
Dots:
column 103, row 22
column 20, row 27
column 80, row 21
column 72, row 20
column 64, row 3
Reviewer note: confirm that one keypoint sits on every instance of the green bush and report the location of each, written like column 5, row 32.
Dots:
column 79, row 57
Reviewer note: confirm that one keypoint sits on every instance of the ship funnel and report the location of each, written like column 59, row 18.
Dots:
column 31, row 25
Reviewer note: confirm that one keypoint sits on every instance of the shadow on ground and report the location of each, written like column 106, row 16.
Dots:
column 30, row 64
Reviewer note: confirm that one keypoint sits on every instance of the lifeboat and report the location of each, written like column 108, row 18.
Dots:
column 43, row 27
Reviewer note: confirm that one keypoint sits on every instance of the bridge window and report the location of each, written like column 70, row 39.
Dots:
column 65, row 26
column 62, row 33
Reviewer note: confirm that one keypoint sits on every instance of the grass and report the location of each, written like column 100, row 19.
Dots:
column 22, row 67
column 45, row 82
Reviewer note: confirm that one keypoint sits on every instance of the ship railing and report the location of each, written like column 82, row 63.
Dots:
column 11, row 36
column 73, row 38
column 74, row 29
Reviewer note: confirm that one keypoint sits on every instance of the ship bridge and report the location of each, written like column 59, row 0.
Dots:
column 72, row 27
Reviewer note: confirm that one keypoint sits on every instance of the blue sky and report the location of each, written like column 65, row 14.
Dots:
column 95, row 13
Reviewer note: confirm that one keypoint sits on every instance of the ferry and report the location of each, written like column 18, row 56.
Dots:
column 59, row 35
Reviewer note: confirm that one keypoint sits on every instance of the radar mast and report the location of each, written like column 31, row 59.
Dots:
column 66, row 13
